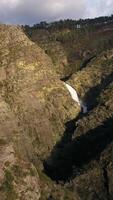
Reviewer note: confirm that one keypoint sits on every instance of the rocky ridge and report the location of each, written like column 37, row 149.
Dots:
column 49, row 149
column 34, row 108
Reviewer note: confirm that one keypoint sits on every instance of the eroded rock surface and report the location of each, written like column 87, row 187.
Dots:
column 85, row 159
column 44, row 136
column 34, row 106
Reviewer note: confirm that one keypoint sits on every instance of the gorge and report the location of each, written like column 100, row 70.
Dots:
column 56, row 118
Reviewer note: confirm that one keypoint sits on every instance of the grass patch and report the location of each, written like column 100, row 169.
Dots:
column 7, row 186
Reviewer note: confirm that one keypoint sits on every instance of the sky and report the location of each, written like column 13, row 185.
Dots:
column 34, row 11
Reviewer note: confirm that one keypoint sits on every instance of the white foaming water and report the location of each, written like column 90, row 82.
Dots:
column 84, row 108
column 75, row 97
column 73, row 93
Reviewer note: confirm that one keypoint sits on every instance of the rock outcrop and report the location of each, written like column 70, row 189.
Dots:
column 49, row 149
column 86, row 158
column 34, row 106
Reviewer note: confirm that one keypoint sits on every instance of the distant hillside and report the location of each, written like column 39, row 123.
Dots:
column 71, row 44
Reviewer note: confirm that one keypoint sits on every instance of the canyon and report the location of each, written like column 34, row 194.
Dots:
column 56, row 115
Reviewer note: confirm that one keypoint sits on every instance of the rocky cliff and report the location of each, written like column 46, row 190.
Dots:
column 49, row 149
column 85, row 160
column 34, row 108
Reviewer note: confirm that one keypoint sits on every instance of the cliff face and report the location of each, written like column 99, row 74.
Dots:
column 87, row 156
column 44, row 136
column 34, row 108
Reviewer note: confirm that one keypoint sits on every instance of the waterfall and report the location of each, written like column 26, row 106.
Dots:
column 75, row 97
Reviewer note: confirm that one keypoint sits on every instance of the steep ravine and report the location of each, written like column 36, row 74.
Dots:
column 77, row 152
column 43, row 127
column 72, row 158
column 81, row 158
column 50, row 165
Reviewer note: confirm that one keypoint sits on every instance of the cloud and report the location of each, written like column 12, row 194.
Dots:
column 33, row 11
column 99, row 8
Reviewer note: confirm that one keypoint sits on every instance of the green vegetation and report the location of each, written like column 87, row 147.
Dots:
column 8, row 187
column 52, row 135
column 69, row 23
column 107, row 62
column 70, row 43
column 17, row 170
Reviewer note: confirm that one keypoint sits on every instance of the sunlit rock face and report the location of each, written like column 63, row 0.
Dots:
column 39, row 119
column 34, row 108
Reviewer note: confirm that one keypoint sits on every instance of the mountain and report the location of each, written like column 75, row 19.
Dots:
column 72, row 44
column 34, row 108
column 49, row 148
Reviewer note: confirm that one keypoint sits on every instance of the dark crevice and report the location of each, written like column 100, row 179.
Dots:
column 69, row 154
column 97, row 196
column 83, row 65
column 69, row 131
column 106, row 182
column 49, row 167
column 66, row 78
column 50, row 198
column 91, row 98
column 86, row 62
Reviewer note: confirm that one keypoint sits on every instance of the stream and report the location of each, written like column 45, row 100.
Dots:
column 75, row 97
